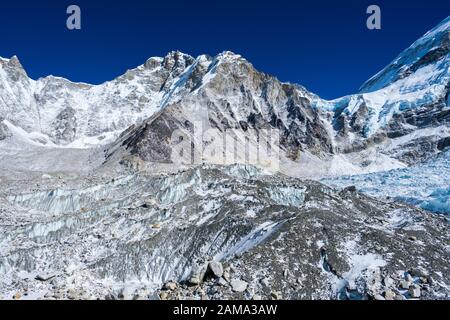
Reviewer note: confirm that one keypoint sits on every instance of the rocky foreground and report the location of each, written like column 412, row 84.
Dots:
column 214, row 232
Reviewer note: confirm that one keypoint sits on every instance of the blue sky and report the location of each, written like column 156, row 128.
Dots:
column 322, row 44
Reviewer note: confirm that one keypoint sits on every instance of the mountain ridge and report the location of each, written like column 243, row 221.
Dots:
column 233, row 95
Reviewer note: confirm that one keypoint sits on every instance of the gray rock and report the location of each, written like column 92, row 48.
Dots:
column 65, row 126
column 4, row 132
column 222, row 282
column 45, row 276
column 171, row 286
column 72, row 294
column 419, row 272
column 404, row 284
column 276, row 295
column 197, row 275
column 424, row 280
column 388, row 282
column 216, row 269
column 414, row 291
column 389, row 295
column 350, row 189
column 265, row 282
column 239, row 285
column 163, row 295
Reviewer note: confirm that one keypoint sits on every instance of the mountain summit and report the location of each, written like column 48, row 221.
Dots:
column 386, row 124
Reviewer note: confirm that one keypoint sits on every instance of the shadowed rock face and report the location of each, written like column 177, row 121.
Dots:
column 4, row 133
column 237, row 98
column 278, row 234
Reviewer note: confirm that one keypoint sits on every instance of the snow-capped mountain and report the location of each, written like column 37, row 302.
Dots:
column 400, row 116
column 406, row 105
column 63, row 113
column 430, row 50
column 93, row 203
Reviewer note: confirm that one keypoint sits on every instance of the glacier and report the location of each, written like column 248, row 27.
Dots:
column 426, row 185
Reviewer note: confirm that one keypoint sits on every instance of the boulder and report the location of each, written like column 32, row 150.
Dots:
column 197, row 274
column 419, row 272
column 171, row 286
column 163, row 295
column 390, row 295
column 45, row 276
column 222, row 282
column 404, row 284
column 414, row 291
column 215, row 269
column 239, row 285
column 276, row 295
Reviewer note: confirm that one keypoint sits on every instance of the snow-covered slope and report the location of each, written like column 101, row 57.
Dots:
column 82, row 115
column 432, row 48
column 410, row 95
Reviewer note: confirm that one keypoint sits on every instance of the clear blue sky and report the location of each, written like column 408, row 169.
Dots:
column 321, row 44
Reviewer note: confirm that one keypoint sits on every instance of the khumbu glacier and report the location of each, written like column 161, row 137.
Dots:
column 92, row 205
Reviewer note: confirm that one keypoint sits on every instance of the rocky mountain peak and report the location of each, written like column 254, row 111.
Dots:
column 13, row 68
column 15, row 62
column 177, row 60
